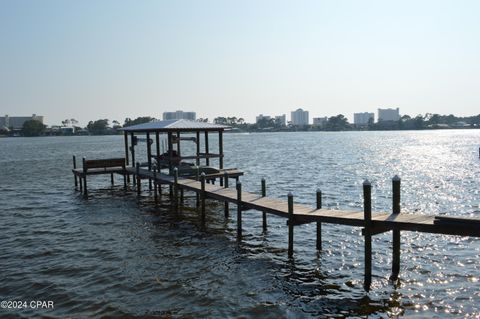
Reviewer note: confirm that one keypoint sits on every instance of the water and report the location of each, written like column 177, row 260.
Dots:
column 116, row 255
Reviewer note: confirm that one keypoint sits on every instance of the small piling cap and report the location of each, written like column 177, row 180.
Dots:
column 319, row 190
column 366, row 183
column 263, row 179
column 396, row 178
column 175, row 168
column 203, row 174
column 290, row 194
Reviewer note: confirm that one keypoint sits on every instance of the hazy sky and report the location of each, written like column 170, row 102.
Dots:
column 116, row 59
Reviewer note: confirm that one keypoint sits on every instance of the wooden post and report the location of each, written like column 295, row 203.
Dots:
column 264, row 214
column 126, row 176
column 170, row 153
column 175, row 186
column 81, row 184
column 227, row 209
column 125, row 137
column 319, row 224
column 202, row 181
column 85, row 191
column 220, row 148
column 149, row 158
column 207, row 159
column 197, row 195
column 155, row 184
column 198, row 149
column 157, row 144
column 367, row 210
column 239, row 211
column 139, row 187
column 290, row 225
column 75, row 174
column 132, row 150
column 396, row 233
column 111, row 179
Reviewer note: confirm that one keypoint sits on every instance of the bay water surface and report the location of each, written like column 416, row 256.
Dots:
column 117, row 255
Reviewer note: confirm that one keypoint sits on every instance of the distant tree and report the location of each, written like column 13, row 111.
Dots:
column 98, row 127
column 33, row 128
column 65, row 122
column 138, row 120
column 116, row 124
column 265, row 122
column 337, row 123
column 418, row 122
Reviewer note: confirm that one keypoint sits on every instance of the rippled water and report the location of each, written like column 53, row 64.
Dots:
column 116, row 255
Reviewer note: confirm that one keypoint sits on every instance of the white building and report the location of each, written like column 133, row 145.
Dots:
column 262, row 117
column 16, row 122
column 388, row 114
column 361, row 119
column 179, row 115
column 299, row 117
column 320, row 121
column 281, row 120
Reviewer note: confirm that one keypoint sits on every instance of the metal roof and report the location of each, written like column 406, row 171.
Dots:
column 174, row 125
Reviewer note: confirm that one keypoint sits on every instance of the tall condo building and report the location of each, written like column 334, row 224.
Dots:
column 16, row 122
column 262, row 117
column 299, row 117
column 281, row 120
column 361, row 119
column 179, row 115
column 388, row 114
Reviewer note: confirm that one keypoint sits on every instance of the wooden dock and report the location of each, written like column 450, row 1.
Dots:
column 373, row 223
column 168, row 158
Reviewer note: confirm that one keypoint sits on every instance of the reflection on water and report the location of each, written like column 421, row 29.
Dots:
column 118, row 255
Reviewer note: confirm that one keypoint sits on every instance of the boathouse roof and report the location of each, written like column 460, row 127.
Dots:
column 174, row 125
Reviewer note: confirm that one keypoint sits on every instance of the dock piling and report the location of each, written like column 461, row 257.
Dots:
column 202, row 181
column 264, row 213
column 239, row 210
column 139, row 186
column 155, row 185
column 85, row 191
column 319, row 224
column 395, row 233
column 367, row 210
column 290, row 225
column 175, row 186
column 227, row 209
column 75, row 175
column 197, row 195
column 111, row 179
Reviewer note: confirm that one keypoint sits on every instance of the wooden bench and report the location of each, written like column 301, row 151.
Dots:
column 98, row 167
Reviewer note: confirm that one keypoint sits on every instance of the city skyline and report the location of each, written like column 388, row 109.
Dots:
column 89, row 60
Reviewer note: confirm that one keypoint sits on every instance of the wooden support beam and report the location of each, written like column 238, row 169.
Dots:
column 264, row 213
column 175, row 187
column 75, row 175
column 198, row 149
column 319, row 224
column 84, row 165
column 227, row 209
column 239, row 211
column 132, row 147
column 290, row 225
column 149, row 159
column 112, row 182
column 203, row 195
column 367, row 211
column 137, row 175
column 170, row 153
column 80, row 179
column 396, row 233
column 207, row 159
column 220, row 148
column 155, row 184
column 125, row 138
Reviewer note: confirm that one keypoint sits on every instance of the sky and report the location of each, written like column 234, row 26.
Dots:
column 90, row 60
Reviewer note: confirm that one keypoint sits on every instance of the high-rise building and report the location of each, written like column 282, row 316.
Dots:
column 262, row 117
column 179, row 115
column 362, row 119
column 16, row 122
column 320, row 121
column 281, row 120
column 388, row 114
column 299, row 117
